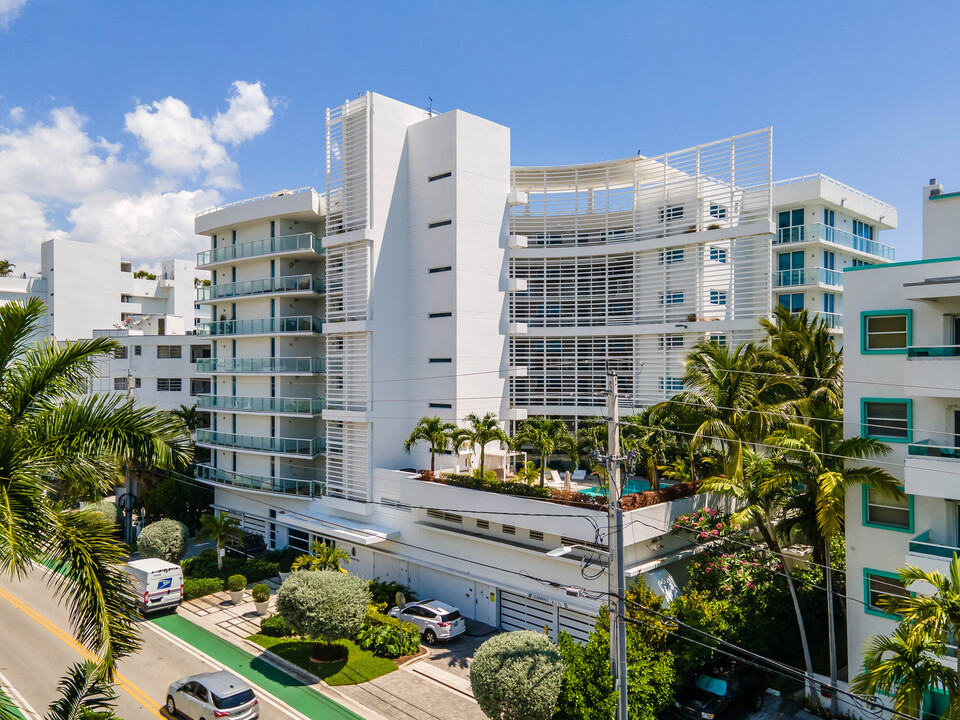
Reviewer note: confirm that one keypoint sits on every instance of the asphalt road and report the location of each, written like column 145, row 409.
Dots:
column 36, row 648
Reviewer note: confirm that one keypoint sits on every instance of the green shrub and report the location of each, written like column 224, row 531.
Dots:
column 110, row 511
column 258, row 569
column 177, row 500
column 205, row 565
column 236, row 583
column 388, row 636
column 507, row 488
column 283, row 558
column 324, row 605
column 275, row 626
column 194, row 588
column 385, row 591
column 517, row 675
column 261, row 593
column 164, row 539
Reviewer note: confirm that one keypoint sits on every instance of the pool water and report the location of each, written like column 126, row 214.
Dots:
column 633, row 485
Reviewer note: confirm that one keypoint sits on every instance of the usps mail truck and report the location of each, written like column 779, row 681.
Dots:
column 158, row 583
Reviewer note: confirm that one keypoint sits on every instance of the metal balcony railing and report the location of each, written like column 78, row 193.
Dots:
column 262, row 326
column 819, row 231
column 926, row 448
column 808, row 276
column 286, row 486
column 922, row 546
column 268, row 366
column 289, row 283
column 917, row 351
column 258, row 248
column 298, row 406
column 285, row 446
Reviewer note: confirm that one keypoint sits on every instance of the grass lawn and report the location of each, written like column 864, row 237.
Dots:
column 360, row 665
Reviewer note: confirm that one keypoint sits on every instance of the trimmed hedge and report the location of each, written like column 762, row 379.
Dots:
column 109, row 511
column 275, row 626
column 388, row 636
column 194, row 588
column 164, row 539
column 506, row 487
column 204, row 565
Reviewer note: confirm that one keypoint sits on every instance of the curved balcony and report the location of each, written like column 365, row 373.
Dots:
column 295, row 447
column 295, row 325
column 302, row 244
column 276, row 405
column 263, row 483
column 287, row 285
column 262, row 366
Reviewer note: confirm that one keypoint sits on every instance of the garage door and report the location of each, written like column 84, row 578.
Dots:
column 522, row 613
column 578, row 624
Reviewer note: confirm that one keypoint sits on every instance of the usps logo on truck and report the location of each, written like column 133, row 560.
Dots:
column 165, row 584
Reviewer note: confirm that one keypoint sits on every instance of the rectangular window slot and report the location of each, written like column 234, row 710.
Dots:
column 536, row 535
column 169, row 351
column 440, row 315
column 441, row 406
column 445, row 268
column 446, row 516
column 120, row 353
column 136, row 349
column 120, row 383
column 169, row 384
column 440, row 223
column 441, row 176
column 395, row 504
column 440, row 360
column 509, row 530
column 483, row 524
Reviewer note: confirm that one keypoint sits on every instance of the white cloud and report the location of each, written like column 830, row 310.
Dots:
column 16, row 114
column 23, row 226
column 149, row 227
column 249, row 114
column 9, row 11
column 59, row 160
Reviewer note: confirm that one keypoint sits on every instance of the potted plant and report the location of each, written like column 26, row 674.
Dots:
column 261, row 598
column 235, row 585
column 288, row 555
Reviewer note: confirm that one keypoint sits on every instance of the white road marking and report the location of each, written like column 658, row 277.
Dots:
column 18, row 699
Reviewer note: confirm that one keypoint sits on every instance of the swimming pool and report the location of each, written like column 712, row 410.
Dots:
column 633, row 485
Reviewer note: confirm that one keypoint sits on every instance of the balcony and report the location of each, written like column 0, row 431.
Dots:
column 933, row 351
column 931, row 371
column 932, row 470
column 820, row 232
column 303, row 244
column 285, row 486
column 295, row 325
column 834, row 321
column 808, row 276
column 277, row 405
column 295, row 447
column 263, row 366
column 927, row 554
column 287, row 285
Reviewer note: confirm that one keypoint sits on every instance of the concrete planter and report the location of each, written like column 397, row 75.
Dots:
column 236, row 597
column 262, row 607
column 283, row 576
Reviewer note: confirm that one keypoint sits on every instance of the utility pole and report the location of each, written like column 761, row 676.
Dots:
column 618, row 628
column 128, row 479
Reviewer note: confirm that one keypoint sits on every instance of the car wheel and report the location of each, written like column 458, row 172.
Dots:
column 171, row 706
column 430, row 636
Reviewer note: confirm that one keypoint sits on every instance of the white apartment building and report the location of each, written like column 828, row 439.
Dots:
column 434, row 279
column 901, row 385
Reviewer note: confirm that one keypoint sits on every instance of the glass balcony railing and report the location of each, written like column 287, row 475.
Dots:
column 298, row 406
column 286, row 486
column 289, row 283
column 916, row 351
column 808, row 276
column 922, row 546
column 286, row 446
column 926, row 448
column 819, row 231
column 834, row 321
column 267, row 366
column 257, row 248
column 262, row 326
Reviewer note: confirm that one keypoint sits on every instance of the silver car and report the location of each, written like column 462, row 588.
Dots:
column 212, row 695
column 436, row 620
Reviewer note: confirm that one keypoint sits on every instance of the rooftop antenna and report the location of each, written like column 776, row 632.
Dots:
column 430, row 109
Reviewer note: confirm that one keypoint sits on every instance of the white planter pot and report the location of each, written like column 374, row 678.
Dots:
column 236, row 597
column 261, row 607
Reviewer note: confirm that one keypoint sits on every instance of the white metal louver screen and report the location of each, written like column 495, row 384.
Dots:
column 348, row 282
column 348, row 460
column 348, row 363
column 348, row 162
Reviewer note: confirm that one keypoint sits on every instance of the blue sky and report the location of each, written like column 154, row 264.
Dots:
column 119, row 120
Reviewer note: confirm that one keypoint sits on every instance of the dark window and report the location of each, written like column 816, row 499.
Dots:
column 120, row 383
column 671, row 212
column 880, row 585
column 885, row 510
column 883, row 419
column 440, row 223
column 440, row 360
column 718, row 211
column 169, row 351
column 668, row 257
column 120, row 353
column 886, row 332
column 169, row 384
column 136, row 349
column 233, row 701
column 441, row 406
column 441, row 176
column 441, row 315
column 445, row 268
column 509, row 530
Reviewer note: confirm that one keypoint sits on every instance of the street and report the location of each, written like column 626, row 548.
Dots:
column 36, row 648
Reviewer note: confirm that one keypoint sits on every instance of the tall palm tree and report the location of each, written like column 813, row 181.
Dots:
column 750, row 489
column 818, row 462
column 906, row 666
column 645, row 434
column 6, row 268
column 322, row 557
column 483, row 431
column 49, row 428
column 548, row 437
column 433, row 430
column 220, row 529
column 591, row 438
column 938, row 614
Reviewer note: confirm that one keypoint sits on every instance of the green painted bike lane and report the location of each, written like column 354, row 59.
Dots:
column 9, row 706
column 258, row 671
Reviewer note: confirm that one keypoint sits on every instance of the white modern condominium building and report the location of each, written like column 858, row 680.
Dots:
column 434, row 279
column 901, row 385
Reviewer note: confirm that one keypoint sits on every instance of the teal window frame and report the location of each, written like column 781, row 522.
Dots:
column 863, row 419
column 867, row 608
column 864, row 350
column 864, row 518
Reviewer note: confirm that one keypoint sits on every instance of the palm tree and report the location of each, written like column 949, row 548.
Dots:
column 6, row 268
column 188, row 415
column 905, row 666
column 432, row 430
column 483, row 431
column 938, row 614
column 220, row 529
column 322, row 557
column 547, row 437
column 644, row 434
column 84, row 693
column 54, row 435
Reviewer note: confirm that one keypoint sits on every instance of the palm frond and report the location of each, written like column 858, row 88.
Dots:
column 82, row 690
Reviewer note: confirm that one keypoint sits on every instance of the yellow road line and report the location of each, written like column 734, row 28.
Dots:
column 138, row 694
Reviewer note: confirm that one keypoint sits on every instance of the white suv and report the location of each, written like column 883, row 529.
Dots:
column 436, row 620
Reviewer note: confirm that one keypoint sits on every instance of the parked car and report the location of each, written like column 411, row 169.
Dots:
column 246, row 545
column 436, row 620
column 212, row 695
column 721, row 689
